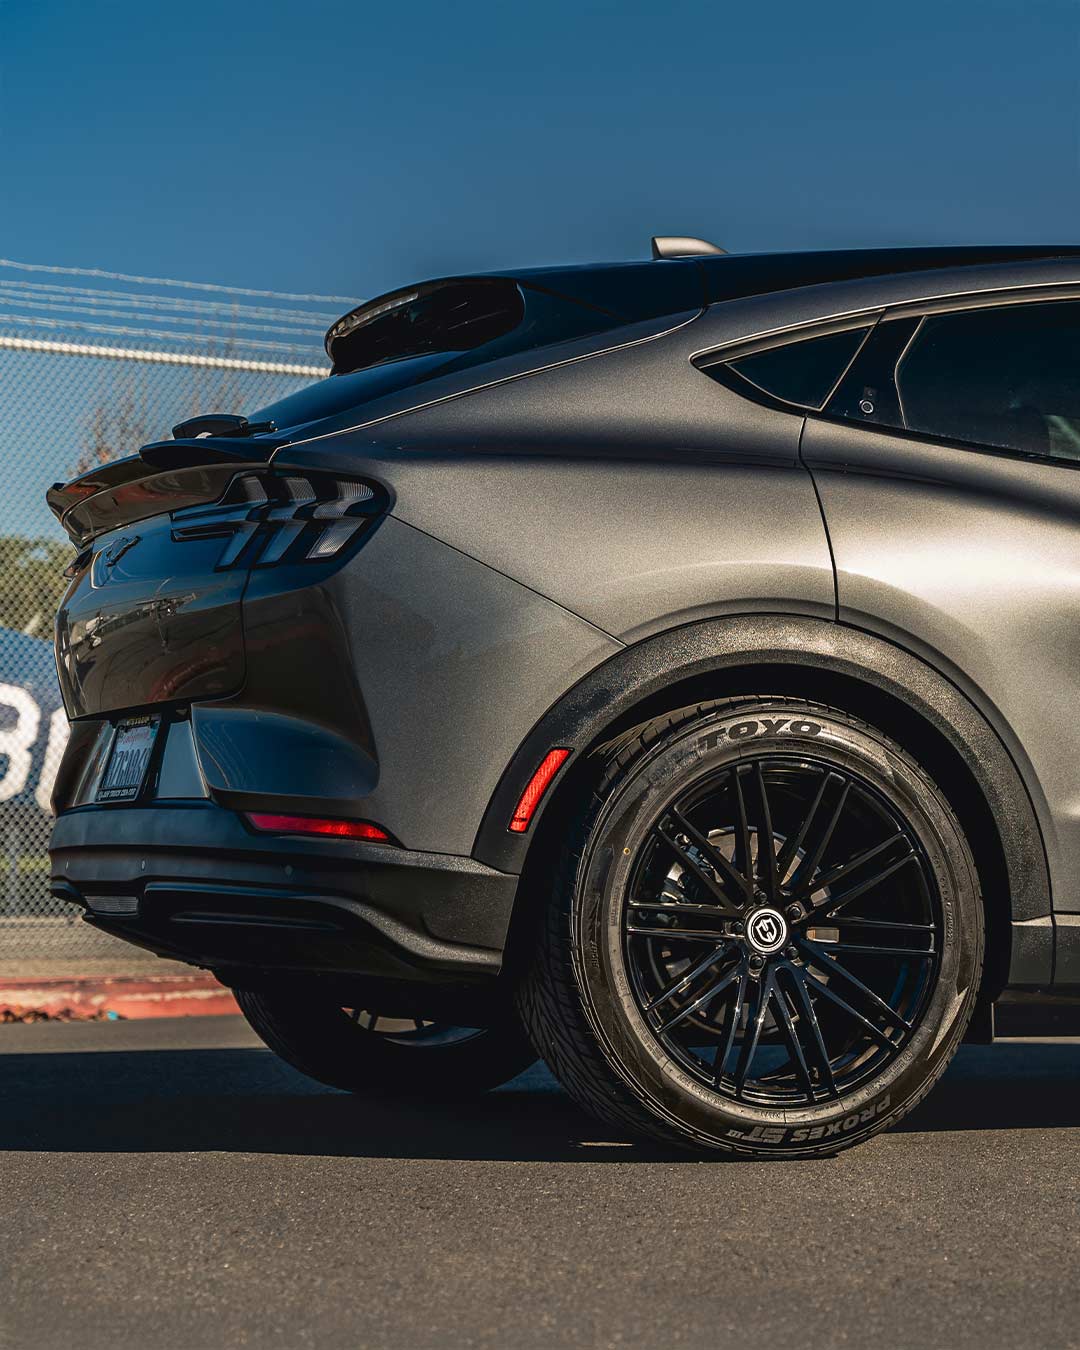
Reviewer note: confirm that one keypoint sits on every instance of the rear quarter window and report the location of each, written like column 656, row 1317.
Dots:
column 802, row 371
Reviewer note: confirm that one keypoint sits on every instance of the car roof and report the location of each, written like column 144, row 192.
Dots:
column 735, row 276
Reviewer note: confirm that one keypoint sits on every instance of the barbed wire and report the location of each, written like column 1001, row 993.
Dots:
column 168, row 302
column 118, row 330
column 92, row 308
column 106, row 275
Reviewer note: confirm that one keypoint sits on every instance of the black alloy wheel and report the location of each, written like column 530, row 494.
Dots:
column 766, row 937
column 782, row 931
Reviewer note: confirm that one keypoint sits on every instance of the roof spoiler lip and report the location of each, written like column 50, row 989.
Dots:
column 402, row 295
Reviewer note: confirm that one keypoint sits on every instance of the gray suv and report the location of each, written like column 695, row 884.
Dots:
column 664, row 668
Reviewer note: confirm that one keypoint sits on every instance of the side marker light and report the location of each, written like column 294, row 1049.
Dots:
column 538, row 785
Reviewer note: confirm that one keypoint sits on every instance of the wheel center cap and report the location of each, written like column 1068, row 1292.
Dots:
column 766, row 930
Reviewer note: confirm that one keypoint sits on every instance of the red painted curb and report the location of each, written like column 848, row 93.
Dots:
column 129, row 996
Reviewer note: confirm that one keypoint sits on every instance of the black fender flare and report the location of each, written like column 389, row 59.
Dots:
column 606, row 700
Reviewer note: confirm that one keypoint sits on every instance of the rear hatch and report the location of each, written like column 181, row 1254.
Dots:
column 151, row 615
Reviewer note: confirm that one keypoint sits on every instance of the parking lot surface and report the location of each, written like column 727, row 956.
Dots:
column 171, row 1184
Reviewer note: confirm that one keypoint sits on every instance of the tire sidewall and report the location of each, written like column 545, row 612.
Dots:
column 660, row 1083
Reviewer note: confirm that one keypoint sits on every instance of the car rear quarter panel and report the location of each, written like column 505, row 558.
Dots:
column 629, row 488
column 411, row 674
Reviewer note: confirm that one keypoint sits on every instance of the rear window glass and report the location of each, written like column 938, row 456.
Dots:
column 801, row 372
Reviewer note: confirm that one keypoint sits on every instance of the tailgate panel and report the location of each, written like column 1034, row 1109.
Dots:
column 147, row 620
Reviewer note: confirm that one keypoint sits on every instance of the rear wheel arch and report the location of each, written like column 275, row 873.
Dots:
column 765, row 655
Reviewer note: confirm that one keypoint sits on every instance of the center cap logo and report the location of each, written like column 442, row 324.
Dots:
column 766, row 931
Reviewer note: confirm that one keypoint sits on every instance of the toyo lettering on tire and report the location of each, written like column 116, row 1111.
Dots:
column 766, row 936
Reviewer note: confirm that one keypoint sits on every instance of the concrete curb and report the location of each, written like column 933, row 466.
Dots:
column 128, row 996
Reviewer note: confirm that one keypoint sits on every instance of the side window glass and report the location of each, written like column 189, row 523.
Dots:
column 802, row 372
column 1006, row 377
column 1003, row 376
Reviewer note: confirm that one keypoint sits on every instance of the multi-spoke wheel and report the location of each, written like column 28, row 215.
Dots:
column 367, row 1052
column 771, row 938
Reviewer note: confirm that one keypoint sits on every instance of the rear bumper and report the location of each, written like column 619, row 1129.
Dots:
column 191, row 881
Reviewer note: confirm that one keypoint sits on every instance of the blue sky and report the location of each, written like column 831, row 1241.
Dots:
column 350, row 147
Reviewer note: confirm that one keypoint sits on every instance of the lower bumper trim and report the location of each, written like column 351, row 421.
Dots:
column 191, row 882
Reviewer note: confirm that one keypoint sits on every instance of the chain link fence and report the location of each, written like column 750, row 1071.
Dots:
column 77, row 389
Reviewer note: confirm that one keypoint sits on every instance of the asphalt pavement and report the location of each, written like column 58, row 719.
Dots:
column 170, row 1184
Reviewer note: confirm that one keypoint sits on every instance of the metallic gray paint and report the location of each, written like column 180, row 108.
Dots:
column 704, row 507
column 444, row 667
column 970, row 558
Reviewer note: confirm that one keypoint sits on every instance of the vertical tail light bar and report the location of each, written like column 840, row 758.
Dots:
column 267, row 518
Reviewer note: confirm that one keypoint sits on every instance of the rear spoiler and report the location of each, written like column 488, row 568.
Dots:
column 163, row 476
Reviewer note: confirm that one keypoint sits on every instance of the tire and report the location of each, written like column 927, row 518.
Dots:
column 349, row 1049
column 791, row 1039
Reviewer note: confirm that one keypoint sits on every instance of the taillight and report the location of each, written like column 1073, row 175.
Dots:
column 337, row 829
column 267, row 518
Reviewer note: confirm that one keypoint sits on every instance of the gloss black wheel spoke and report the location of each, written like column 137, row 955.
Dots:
column 804, row 873
column 716, row 863
column 680, row 907
column 791, row 1036
column 732, row 1028
column 766, row 856
column 809, row 1016
column 691, row 864
column 758, row 1013
column 857, row 949
column 794, row 842
column 743, row 859
column 823, row 961
column 844, row 922
column 834, row 903
column 700, row 1002
column 684, row 981
column 871, row 1028
column 716, row 860
column 844, row 870
column 687, row 934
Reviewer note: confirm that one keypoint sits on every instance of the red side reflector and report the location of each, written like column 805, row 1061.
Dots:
column 341, row 829
column 538, row 785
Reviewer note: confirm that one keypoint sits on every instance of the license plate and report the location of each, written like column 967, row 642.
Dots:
column 128, row 760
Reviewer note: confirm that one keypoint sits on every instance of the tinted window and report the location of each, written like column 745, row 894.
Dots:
column 801, row 372
column 1008, row 377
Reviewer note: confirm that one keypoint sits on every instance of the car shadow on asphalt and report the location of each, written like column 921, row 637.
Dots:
column 245, row 1100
